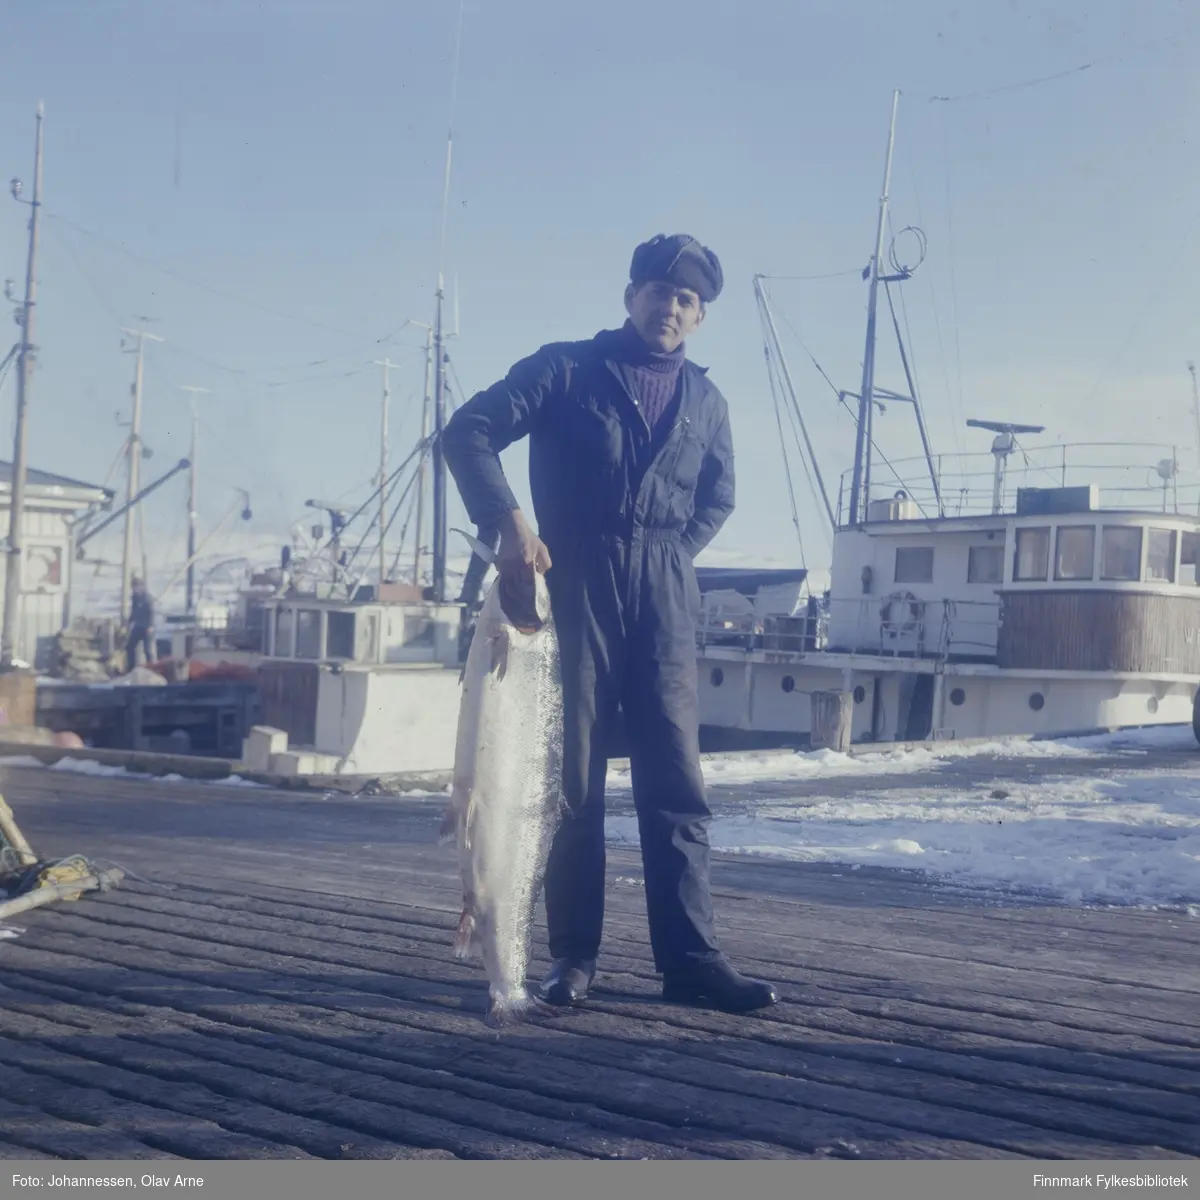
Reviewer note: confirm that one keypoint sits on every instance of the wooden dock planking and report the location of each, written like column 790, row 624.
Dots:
column 883, row 1078
column 282, row 977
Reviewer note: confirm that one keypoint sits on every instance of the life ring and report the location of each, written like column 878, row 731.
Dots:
column 900, row 613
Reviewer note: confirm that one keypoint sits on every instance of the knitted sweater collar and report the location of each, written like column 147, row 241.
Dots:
column 629, row 348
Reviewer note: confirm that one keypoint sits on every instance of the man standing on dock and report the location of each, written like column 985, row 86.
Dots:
column 631, row 472
column 141, row 624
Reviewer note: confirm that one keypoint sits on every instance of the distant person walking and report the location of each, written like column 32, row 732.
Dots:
column 141, row 625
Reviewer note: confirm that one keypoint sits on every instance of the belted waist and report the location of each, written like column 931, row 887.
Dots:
column 620, row 528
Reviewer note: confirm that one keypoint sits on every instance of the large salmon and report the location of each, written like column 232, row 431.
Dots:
column 506, row 800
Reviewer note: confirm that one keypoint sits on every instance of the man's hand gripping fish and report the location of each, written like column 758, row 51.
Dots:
column 507, row 793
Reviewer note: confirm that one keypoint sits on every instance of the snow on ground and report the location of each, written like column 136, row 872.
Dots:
column 793, row 764
column 1131, row 839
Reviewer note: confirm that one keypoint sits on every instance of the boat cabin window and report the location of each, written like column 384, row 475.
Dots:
column 1121, row 552
column 1160, row 556
column 1189, row 552
column 985, row 564
column 419, row 630
column 340, row 635
column 308, row 633
column 914, row 564
column 284, row 620
column 1075, row 552
column 1033, row 554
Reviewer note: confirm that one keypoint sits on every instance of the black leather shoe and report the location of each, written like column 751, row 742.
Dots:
column 717, row 985
column 568, row 981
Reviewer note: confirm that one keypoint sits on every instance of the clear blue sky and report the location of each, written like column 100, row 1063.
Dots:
column 264, row 179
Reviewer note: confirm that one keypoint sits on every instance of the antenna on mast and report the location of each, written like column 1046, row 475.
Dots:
column 861, row 485
column 439, row 352
column 1195, row 404
column 1003, row 445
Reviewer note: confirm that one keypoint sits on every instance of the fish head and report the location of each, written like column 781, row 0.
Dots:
column 524, row 598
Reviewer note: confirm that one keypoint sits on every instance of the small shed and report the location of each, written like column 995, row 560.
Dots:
column 53, row 505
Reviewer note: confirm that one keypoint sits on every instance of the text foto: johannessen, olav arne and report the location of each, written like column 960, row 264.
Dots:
column 107, row 1181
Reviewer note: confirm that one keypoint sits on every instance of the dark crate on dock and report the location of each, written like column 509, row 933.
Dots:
column 186, row 718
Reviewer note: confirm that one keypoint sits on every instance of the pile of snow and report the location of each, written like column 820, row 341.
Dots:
column 776, row 765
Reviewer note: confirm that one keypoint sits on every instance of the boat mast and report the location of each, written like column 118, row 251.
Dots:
column 861, row 485
column 439, row 458
column 193, row 515
column 1195, row 404
column 439, row 355
column 425, row 402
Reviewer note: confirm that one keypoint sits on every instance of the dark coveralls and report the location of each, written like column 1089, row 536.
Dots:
column 623, row 515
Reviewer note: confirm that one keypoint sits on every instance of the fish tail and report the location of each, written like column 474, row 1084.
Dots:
column 514, row 1008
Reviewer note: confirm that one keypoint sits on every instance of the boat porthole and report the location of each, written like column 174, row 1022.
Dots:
column 1037, row 701
column 957, row 697
column 717, row 677
column 860, row 694
column 789, row 684
column 1152, row 704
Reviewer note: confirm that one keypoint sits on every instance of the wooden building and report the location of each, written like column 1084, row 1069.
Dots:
column 53, row 505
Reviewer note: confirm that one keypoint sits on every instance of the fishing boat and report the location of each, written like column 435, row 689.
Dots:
column 1054, row 599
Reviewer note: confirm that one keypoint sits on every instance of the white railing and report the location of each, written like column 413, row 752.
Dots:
column 1127, row 474
column 939, row 629
column 796, row 634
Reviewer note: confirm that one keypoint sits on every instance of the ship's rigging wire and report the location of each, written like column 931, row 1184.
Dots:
column 953, row 271
column 1067, row 72
column 196, row 283
column 956, row 415
column 787, row 466
column 845, row 404
column 389, row 485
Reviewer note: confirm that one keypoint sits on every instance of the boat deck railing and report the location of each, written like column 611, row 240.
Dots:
column 941, row 629
column 1142, row 476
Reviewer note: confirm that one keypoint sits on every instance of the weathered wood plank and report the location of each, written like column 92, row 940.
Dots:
column 294, row 1113
column 33, row 1133
column 874, row 1106
column 1171, row 1020
column 202, row 1054
column 450, row 1039
column 308, row 956
column 34, row 1077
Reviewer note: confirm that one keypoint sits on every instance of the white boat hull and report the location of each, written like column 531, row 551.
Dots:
column 908, row 700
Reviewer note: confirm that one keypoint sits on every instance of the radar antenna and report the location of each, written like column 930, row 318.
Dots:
column 1003, row 445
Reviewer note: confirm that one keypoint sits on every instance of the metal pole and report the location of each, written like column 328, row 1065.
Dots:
column 89, row 533
column 386, row 364
column 1195, row 404
column 916, row 400
column 134, row 467
column 20, row 466
column 861, row 486
column 425, row 402
column 193, row 516
column 439, row 460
